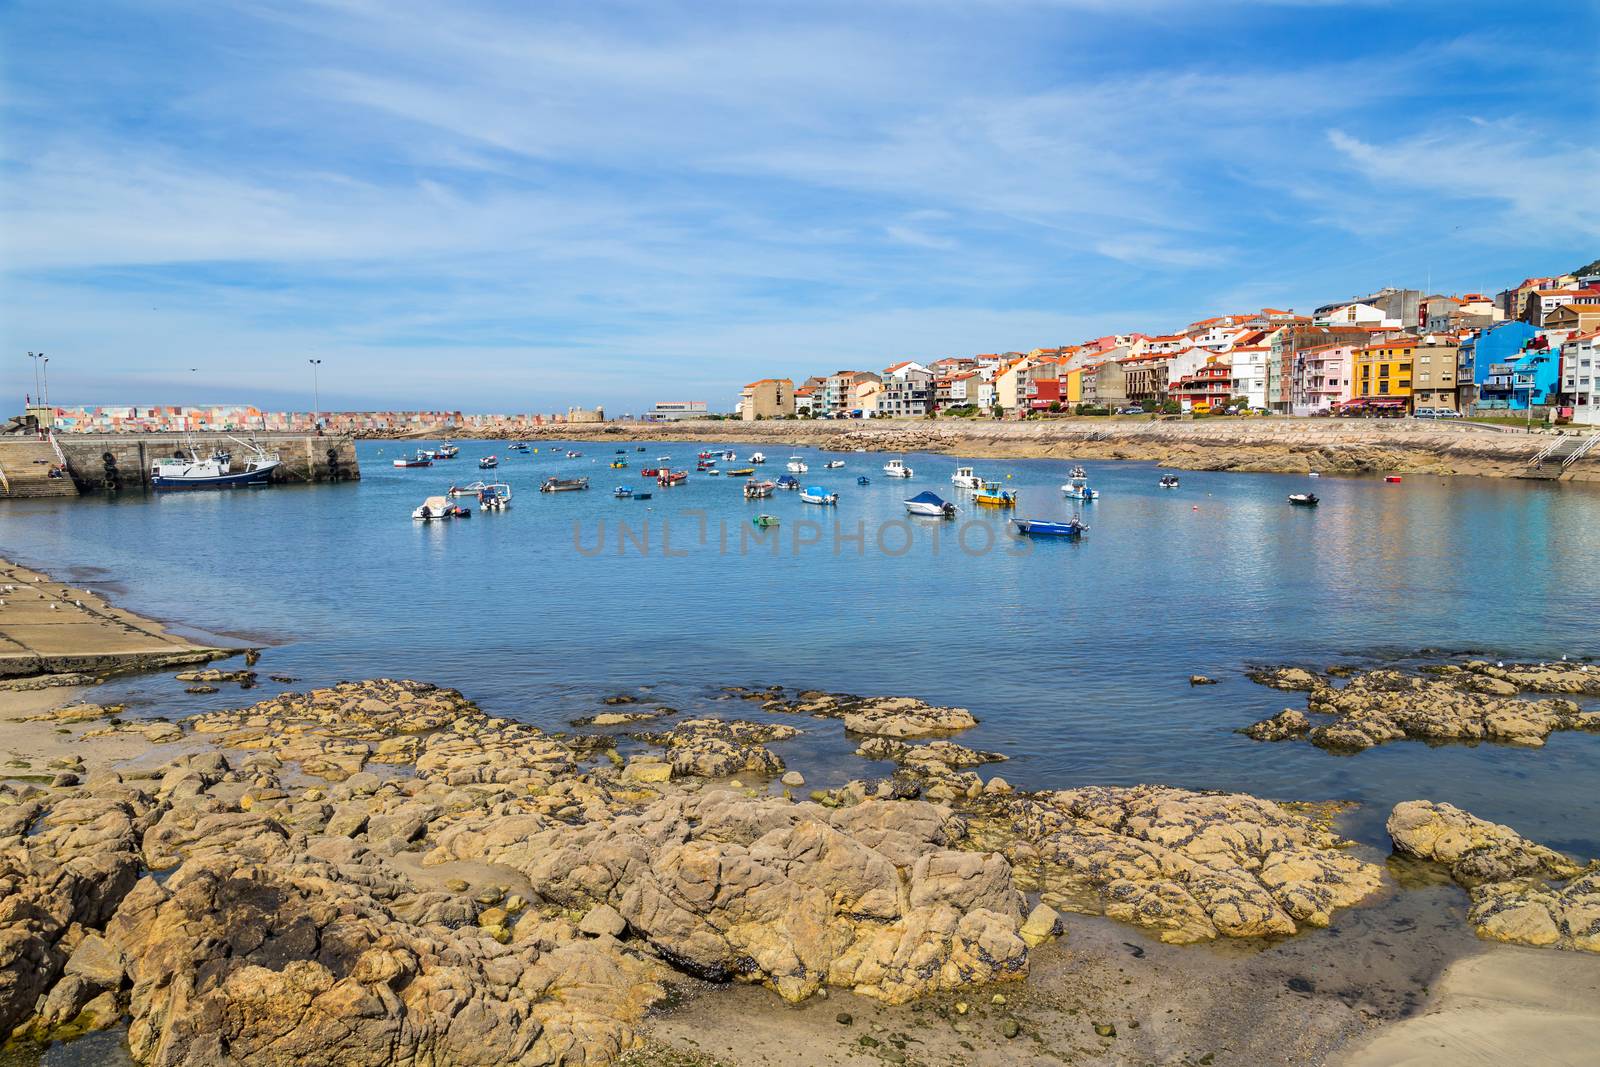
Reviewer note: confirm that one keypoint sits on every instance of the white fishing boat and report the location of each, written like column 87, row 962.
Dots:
column 216, row 471
column 963, row 478
column 1077, row 490
column 797, row 465
column 896, row 468
column 930, row 505
column 496, row 496
column 730, row 456
column 815, row 494
column 757, row 457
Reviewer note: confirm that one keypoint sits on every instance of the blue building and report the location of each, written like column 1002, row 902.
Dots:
column 1487, row 362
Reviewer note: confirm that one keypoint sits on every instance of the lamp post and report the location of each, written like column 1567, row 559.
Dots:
column 38, row 398
column 46, row 361
column 316, row 391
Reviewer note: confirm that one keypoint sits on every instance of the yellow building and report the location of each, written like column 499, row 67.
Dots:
column 1072, row 386
column 770, row 398
column 1383, row 370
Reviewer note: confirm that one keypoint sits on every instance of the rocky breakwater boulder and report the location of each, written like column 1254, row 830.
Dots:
column 938, row 768
column 1563, row 677
column 897, row 717
column 1387, row 705
column 720, row 748
column 1189, row 866
column 873, row 898
column 1521, row 892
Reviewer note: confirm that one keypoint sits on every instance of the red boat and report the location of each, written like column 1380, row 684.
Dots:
column 651, row 472
column 703, row 455
column 1392, row 478
column 672, row 478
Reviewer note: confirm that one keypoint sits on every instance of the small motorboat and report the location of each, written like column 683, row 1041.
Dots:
column 1078, row 472
column 833, row 464
column 931, row 505
column 788, row 481
column 496, row 496
column 1392, row 479
column 651, row 472
column 421, row 459
column 761, row 522
column 1313, row 474
column 713, row 471
column 757, row 457
column 519, row 447
column 816, row 494
column 666, row 478
column 963, row 478
column 863, row 480
column 451, row 451
column 1303, row 500
column 1169, row 481
column 436, row 508
column 896, row 468
column 702, row 455
column 488, row 463
column 618, row 464
column 730, row 456
column 754, row 490
column 742, row 472
column 622, row 452
column 574, row 455
column 1077, row 490
column 663, row 459
column 1072, row 529
column 641, row 496
column 553, row 484
column 797, row 465
column 622, row 492
column 991, row 495
column 639, row 449
column 468, row 490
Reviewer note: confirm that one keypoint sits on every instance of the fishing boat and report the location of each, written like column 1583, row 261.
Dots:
column 730, row 456
column 757, row 457
column 1303, row 500
column 816, row 494
column 742, row 472
column 670, row 478
column 488, row 463
column 761, row 522
column 788, row 481
column 754, row 490
column 468, row 490
column 496, row 496
column 618, row 464
column 421, row 459
column 436, row 508
column 931, row 505
column 1078, row 472
column 896, row 468
column 833, row 463
column 553, row 484
column 1076, row 490
column 863, row 480
column 650, row 472
column 702, row 455
column 451, row 451
column 1169, row 481
column 622, row 492
column 215, row 472
column 963, row 478
column 1072, row 529
column 992, row 495
column 797, row 465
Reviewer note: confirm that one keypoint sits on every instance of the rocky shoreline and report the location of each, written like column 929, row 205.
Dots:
column 1296, row 446
column 405, row 878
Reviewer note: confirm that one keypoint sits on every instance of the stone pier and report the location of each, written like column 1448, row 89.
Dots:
column 122, row 461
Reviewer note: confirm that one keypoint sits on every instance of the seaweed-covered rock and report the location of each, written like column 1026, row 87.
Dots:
column 879, row 716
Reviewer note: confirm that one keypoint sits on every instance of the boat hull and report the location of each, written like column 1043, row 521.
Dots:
column 1038, row 528
column 238, row 480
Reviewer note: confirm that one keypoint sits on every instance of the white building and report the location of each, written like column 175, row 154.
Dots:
column 1355, row 315
column 907, row 390
column 672, row 410
column 1580, row 377
column 1250, row 373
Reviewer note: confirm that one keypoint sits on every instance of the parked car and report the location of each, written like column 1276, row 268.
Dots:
column 1426, row 413
column 1448, row 413
column 1131, row 409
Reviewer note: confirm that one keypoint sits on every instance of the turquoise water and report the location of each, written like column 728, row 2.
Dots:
column 1076, row 657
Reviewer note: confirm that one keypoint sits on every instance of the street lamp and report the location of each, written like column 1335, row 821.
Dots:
column 46, row 362
column 38, row 397
column 316, row 391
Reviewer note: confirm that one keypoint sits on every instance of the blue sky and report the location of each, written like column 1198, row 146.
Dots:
column 513, row 206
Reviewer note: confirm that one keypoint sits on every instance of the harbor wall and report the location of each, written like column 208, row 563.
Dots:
column 122, row 461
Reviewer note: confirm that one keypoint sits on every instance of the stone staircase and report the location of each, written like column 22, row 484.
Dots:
column 1553, row 462
column 25, row 465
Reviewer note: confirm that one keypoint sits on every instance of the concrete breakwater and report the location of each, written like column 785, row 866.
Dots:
column 1272, row 445
column 122, row 461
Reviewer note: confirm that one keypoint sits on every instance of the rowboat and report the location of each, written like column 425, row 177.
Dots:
column 1392, row 479
column 761, row 522
column 671, row 478
column 622, row 492
column 563, row 485
column 931, row 505
column 896, row 468
column 993, row 496
column 1072, row 529
column 815, row 494
column 713, row 471
column 1303, row 500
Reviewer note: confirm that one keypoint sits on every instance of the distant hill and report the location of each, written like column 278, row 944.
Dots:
column 1593, row 268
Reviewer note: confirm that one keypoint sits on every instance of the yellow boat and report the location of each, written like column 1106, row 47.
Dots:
column 995, row 497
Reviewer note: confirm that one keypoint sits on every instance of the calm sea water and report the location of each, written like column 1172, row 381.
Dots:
column 1076, row 657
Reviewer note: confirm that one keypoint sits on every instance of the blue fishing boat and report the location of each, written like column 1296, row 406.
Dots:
column 215, row 472
column 1071, row 529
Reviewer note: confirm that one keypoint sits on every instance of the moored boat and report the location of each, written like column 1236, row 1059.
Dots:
column 742, row 472
column 671, row 478
column 931, row 505
column 1071, row 528
column 1303, row 500
column 896, row 468
column 797, row 465
column 833, row 464
column 754, row 490
column 436, row 508
column 761, row 522
column 1169, row 481
column 963, row 478
column 468, row 490
column 816, row 494
column 650, row 472
column 992, row 495
column 553, row 484
column 618, row 464
column 622, row 492
column 421, row 459
column 215, row 472
column 496, row 496
column 452, row 451
column 488, row 463
column 863, row 480
column 1078, row 491
column 757, row 457
column 730, row 456
column 788, row 481
column 641, row 496
column 574, row 455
